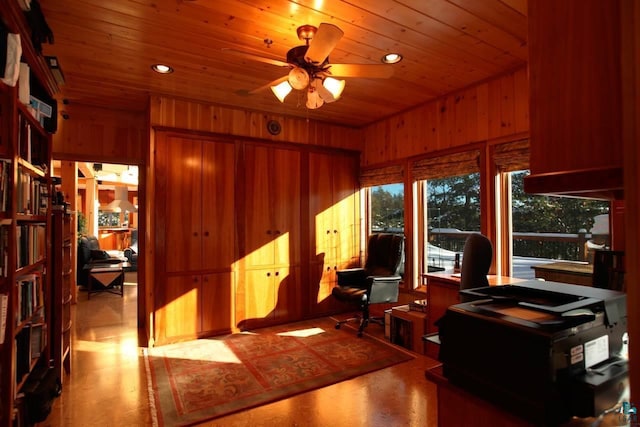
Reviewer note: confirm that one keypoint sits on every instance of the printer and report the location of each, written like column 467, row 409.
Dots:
column 545, row 351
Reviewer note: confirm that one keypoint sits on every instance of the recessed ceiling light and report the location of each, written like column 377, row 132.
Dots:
column 392, row 58
column 162, row 68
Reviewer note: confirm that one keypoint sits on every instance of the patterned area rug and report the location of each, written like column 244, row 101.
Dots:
column 195, row 381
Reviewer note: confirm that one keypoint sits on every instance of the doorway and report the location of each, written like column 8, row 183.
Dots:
column 105, row 200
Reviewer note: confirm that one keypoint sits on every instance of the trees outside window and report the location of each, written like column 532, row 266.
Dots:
column 555, row 228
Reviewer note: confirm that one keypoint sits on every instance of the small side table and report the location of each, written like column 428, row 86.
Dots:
column 107, row 277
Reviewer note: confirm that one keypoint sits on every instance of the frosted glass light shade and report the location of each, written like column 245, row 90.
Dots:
column 281, row 90
column 313, row 99
column 334, row 86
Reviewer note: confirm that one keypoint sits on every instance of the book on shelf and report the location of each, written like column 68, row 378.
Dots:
column 30, row 298
column 4, row 307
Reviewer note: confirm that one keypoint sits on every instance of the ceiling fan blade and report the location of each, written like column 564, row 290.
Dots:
column 268, row 85
column 323, row 42
column 255, row 57
column 373, row 71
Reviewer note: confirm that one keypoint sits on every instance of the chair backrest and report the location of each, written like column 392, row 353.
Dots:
column 384, row 254
column 608, row 270
column 476, row 260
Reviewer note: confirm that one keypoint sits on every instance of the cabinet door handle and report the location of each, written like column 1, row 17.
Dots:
column 328, row 231
column 268, row 274
column 195, row 234
column 195, row 279
column 277, row 231
column 335, row 231
column 277, row 273
column 206, row 233
column 268, row 231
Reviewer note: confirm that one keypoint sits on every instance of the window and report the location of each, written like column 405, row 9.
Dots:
column 387, row 208
column 112, row 219
column 452, row 212
column 547, row 228
column 387, row 211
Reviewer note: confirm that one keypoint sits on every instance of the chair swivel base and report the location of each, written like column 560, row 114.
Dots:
column 363, row 323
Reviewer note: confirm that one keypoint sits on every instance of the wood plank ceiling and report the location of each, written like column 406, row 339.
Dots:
column 106, row 48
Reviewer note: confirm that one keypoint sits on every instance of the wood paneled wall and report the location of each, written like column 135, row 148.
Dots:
column 192, row 115
column 490, row 110
column 100, row 135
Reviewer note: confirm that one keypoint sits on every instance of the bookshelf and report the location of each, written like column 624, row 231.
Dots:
column 61, row 286
column 25, row 227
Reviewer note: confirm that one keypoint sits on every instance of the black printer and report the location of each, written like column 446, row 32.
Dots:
column 546, row 351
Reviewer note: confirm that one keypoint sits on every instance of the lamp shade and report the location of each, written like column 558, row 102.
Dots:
column 121, row 202
column 313, row 98
column 334, row 86
column 281, row 90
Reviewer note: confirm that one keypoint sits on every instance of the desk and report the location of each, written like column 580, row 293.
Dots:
column 577, row 273
column 458, row 407
column 443, row 290
column 106, row 278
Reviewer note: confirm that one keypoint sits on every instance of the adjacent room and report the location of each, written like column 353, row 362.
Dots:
column 319, row 213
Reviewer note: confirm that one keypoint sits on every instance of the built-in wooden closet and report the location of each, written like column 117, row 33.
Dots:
column 248, row 233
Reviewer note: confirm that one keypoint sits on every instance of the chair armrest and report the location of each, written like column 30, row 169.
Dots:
column 351, row 277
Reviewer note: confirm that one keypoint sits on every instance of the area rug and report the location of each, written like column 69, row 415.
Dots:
column 195, row 381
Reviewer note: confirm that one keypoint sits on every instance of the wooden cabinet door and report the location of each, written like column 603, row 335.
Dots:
column 216, row 302
column 334, row 224
column 320, row 208
column 285, row 205
column 259, row 297
column 288, row 294
column 182, row 203
column 345, row 209
column 178, row 314
column 258, row 195
column 218, row 205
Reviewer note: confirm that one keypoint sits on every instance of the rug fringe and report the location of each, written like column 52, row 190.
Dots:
column 152, row 400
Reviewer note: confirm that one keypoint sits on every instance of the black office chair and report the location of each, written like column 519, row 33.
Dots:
column 476, row 261
column 608, row 270
column 377, row 282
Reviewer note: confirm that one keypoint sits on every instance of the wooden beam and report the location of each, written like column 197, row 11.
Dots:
column 86, row 169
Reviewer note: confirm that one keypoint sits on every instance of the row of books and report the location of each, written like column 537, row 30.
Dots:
column 30, row 343
column 30, row 244
column 5, row 187
column 30, row 298
column 4, row 250
column 32, row 195
column 32, row 144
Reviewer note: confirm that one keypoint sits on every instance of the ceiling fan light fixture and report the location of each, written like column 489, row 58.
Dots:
column 298, row 78
column 391, row 58
column 281, row 90
column 334, row 86
column 313, row 99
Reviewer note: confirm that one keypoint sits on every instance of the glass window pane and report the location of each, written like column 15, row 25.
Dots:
column 387, row 208
column 452, row 212
column 547, row 229
column 387, row 211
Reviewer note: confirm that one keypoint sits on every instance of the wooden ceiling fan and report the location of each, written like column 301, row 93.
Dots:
column 310, row 69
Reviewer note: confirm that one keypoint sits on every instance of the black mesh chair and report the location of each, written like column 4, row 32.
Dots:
column 377, row 282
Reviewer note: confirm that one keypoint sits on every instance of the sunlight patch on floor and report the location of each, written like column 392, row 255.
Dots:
column 303, row 333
